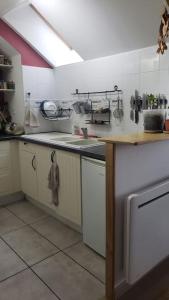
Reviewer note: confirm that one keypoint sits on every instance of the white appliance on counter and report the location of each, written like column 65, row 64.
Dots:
column 94, row 204
column 147, row 230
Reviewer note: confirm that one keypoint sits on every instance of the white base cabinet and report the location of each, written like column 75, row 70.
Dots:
column 70, row 186
column 9, row 168
column 94, row 204
column 43, row 158
column 35, row 166
column 28, row 173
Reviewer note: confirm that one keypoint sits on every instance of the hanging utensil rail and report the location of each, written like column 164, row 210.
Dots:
column 116, row 90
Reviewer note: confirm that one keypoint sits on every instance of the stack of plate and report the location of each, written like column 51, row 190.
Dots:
column 48, row 109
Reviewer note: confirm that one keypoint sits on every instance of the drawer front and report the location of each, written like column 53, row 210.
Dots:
column 26, row 146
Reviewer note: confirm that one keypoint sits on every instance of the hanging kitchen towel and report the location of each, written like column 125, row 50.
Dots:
column 53, row 182
column 31, row 116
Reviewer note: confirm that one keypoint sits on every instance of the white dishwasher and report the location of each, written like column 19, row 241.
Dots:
column 94, row 204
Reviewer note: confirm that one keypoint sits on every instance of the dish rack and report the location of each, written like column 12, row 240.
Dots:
column 55, row 110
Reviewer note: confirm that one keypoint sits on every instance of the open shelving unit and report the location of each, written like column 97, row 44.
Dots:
column 2, row 66
column 99, row 117
column 5, row 68
column 7, row 90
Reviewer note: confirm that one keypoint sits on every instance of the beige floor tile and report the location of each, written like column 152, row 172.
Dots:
column 68, row 279
column 30, row 245
column 26, row 211
column 9, row 223
column 25, row 286
column 88, row 259
column 10, row 263
column 4, row 213
column 59, row 234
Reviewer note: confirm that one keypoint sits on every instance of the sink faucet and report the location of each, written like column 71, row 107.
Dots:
column 85, row 132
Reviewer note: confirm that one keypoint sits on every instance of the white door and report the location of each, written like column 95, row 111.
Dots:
column 93, row 203
column 5, row 171
column 44, row 156
column 70, row 182
column 70, row 186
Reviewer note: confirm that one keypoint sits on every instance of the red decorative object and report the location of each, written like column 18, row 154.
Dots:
column 163, row 32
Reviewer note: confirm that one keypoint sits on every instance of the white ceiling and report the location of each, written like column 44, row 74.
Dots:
column 25, row 21
column 6, row 5
column 97, row 28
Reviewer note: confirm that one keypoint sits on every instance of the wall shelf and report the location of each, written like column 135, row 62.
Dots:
column 5, row 66
column 7, row 90
column 98, row 115
column 97, row 122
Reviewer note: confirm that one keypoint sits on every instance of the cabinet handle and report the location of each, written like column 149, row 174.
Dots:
column 52, row 156
column 33, row 159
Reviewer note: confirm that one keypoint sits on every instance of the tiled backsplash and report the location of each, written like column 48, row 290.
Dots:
column 142, row 69
column 40, row 82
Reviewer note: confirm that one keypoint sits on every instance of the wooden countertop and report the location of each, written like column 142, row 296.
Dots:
column 136, row 139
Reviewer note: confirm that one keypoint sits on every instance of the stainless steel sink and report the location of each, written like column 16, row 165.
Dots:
column 65, row 139
column 85, row 143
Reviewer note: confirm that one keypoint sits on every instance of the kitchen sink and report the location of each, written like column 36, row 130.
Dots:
column 72, row 141
column 85, row 143
column 65, row 139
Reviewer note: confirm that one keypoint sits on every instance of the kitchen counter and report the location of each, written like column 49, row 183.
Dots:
column 96, row 152
column 4, row 137
column 136, row 139
column 134, row 162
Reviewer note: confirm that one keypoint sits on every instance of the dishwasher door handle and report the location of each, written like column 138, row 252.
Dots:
column 94, row 161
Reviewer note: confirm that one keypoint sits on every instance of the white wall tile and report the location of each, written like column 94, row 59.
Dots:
column 41, row 83
column 149, row 59
column 133, row 70
column 164, row 83
column 101, row 74
column 150, row 82
column 164, row 60
column 129, row 62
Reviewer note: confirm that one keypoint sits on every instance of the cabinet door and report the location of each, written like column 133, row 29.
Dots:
column 28, row 173
column 9, row 168
column 94, row 204
column 70, row 183
column 15, row 166
column 43, row 168
column 5, row 171
column 70, row 186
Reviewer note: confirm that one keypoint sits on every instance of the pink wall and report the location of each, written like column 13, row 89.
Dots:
column 29, row 56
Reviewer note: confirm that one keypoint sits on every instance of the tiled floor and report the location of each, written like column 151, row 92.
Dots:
column 40, row 258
